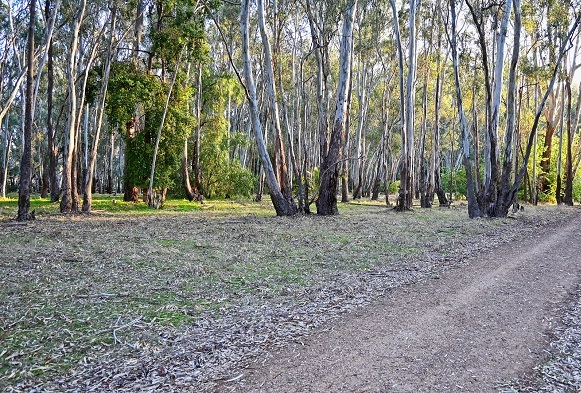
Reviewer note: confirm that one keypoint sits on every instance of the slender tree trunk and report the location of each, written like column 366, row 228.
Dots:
column 321, row 55
column 404, row 163
column 88, row 180
column 568, row 198
column 436, row 154
column 282, row 206
column 52, row 148
column 153, row 200
column 559, row 188
column 26, row 161
column 473, row 208
column 66, row 205
column 280, row 161
column 425, row 201
column 327, row 200
column 7, row 142
column 577, row 154
column 110, row 164
column 196, row 167
column 190, row 194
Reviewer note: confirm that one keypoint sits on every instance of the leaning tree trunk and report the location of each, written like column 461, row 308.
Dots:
column 152, row 198
column 281, row 204
column 473, row 208
column 26, row 162
column 280, row 160
column 331, row 162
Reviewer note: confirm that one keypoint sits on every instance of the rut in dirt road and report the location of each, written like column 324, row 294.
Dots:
column 469, row 331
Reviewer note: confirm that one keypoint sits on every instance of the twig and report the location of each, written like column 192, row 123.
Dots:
column 123, row 327
column 235, row 378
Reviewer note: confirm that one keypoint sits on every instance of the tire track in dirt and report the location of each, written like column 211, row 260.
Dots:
column 470, row 330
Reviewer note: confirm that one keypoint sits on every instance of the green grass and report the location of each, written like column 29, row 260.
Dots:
column 106, row 203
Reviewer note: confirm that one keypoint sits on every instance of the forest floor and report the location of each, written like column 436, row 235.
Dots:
column 238, row 300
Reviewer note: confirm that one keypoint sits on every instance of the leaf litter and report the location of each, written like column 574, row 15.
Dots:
column 184, row 302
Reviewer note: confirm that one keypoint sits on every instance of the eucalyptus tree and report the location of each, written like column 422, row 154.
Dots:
column 473, row 208
column 283, row 205
column 280, row 160
column 92, row 160
column 67, row 194
column 26, row 161
column 330, row 165
column 407, row 105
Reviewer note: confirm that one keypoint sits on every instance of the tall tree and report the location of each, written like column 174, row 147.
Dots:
column 26, row 161
column 282, row 205
column 89, row 173
column 331, row 162
column 66, row 205
column 473, row 208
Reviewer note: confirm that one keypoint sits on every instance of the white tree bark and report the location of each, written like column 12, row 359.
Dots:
column 66, row 201
column 281, row 205
column 88, row 180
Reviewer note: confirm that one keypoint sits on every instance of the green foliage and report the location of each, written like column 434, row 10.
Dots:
column 577, row 190
column 458, row 182
column 221, row 176
column 129, row 87
column 394, row 187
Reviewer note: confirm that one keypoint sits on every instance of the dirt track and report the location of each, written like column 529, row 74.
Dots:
column 471, row 329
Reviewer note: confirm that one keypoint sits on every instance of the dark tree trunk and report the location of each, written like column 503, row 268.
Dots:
column 546, row 156
column 26, row 162
column 52, row 150
column 330, row 165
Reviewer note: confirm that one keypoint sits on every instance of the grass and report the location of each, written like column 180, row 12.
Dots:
column 69, row 284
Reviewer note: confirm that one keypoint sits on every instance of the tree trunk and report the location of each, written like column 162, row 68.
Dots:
column 26, row 161
column 191, row 193
column 88, row 179
column 280, row 161
column 473, row 208
column 559, row 188
column 153, row 198
column 282, row 206
column 568, row 198
column 425, row 201
column 492, row 156
column 66, row 205
column 7, row 142
column 331, row 162
column 436, row 160
column 504, row 199
column 52, row 148
column 110, row 164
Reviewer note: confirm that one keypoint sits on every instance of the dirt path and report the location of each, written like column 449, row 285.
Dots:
column 469, row 330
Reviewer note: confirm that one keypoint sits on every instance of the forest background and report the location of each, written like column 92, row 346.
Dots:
column 303, row 100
